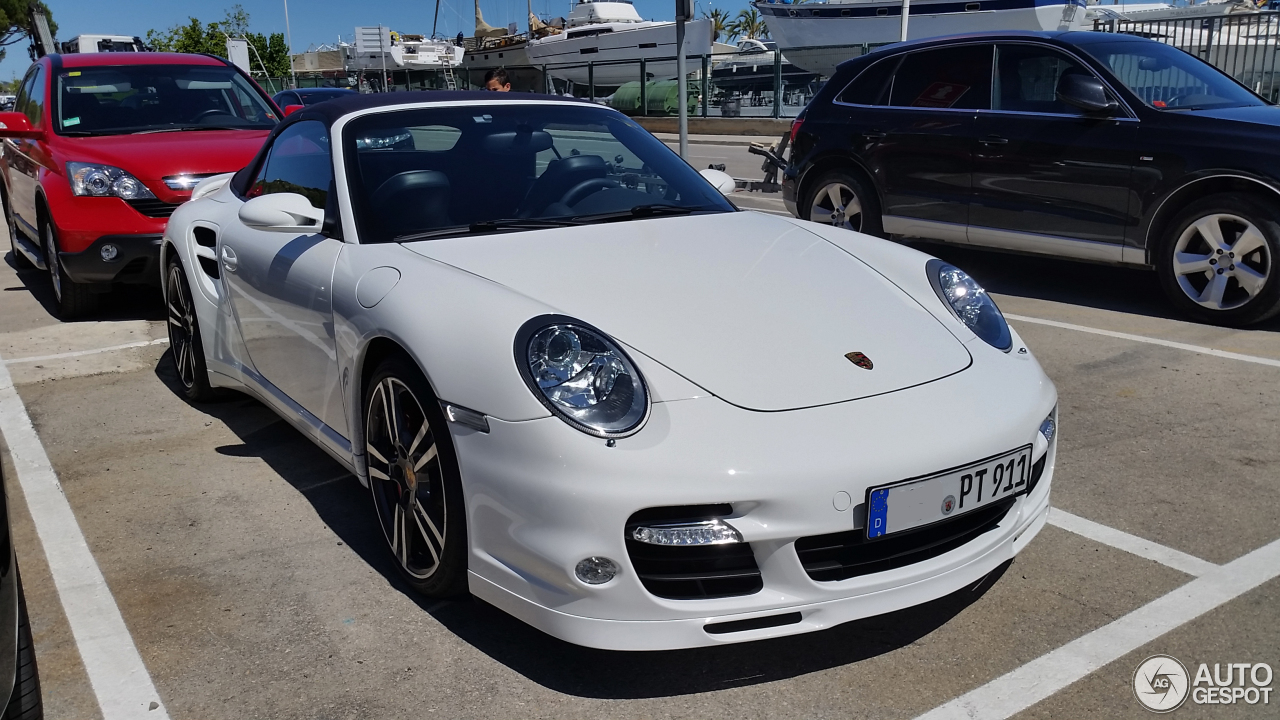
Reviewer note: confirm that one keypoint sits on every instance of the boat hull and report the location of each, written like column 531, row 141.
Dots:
column 817, row 37
column 615, row 56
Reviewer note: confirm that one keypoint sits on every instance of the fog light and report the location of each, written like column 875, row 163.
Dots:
column 596, row 570
column 1049, row 427
column 707, row 532
column 109, row 252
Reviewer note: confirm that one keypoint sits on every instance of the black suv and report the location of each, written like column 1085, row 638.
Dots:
column 1086, row 145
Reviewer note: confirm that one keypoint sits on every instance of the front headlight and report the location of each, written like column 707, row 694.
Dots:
column 97, row 180
column 970, row 303
column 582, row 376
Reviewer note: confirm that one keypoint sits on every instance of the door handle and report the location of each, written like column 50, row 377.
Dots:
column 229, row 260
column 994, row 140
column 875, row 135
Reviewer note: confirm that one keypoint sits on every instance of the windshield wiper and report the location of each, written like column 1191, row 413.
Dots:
column 639, row 211
column 489, row 226
column 184, row 128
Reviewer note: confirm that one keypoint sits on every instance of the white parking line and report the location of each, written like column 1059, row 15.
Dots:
column 79, row 353
column 1150, row 340
column 119, row 678
column 1175, row 559
column 1018, row 690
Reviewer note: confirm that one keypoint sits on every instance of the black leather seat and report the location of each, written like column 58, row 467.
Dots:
column 412, row 201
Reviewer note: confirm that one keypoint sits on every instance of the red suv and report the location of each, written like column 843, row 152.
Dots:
column 102, row 148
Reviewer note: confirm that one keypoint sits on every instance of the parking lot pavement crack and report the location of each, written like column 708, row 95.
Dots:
column 1019, row 689
column 119, row 678
column 1132, row 544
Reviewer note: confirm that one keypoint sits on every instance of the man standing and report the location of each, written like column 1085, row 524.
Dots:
column 496, row 80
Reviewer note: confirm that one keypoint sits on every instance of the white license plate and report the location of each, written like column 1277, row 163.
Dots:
column 922, row 501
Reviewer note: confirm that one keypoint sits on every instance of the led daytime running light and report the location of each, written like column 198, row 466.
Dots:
column 707, row 532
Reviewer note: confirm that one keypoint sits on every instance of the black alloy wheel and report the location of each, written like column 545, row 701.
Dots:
column 414, row 480
column 841, row 199
column 1218, row 261
column 184, row 336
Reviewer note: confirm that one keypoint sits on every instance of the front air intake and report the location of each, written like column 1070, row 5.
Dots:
column 693, row 571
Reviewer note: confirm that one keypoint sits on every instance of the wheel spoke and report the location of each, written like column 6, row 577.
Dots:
column 1249, row 241
column 389, row 402
column 426, row 458
column 377, row 474
column 1251, row 280
column 181, row 356
column 420, row 514
column 833, row 194
column 422, row 432
column 419, row 510
column 1188, row 263
column 1213, row 292
column 374, row 452
column 404, row 536
column 189, row 349
column 853, row 207
column 1211, row 231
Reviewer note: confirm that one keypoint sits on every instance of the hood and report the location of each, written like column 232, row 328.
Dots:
column 154, row 156
column 753, row 308
column 1255, row 114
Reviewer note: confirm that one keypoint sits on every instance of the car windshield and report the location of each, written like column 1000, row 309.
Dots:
column 120, row 99
column 1167, row 78
column 432, row 172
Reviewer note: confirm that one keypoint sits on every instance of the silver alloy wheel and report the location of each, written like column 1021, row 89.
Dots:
column 1222, row 261
column 182, row 327
column 51, row 259
column 837, row 204
column 406, row 478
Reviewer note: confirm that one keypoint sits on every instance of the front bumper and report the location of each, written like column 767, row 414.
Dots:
column 135, row 261
column 541, row 497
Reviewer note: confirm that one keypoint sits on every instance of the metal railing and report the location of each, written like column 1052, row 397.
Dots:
column 1244, row 45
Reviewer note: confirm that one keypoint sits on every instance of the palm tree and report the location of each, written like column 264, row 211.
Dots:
column 721, row 26
column 750, row 25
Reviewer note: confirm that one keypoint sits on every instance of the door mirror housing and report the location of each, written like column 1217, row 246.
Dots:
column 1087, row 93
column 17, row 125
column 722, row 180
column 291, row 109
column 282, row 212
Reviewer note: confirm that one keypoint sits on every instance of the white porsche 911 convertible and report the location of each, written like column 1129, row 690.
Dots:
column 584, row 387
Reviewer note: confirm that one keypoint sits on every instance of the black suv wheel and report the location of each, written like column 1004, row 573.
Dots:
column 842, row 199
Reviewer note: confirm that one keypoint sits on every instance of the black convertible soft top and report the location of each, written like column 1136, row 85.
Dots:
column 330, row 110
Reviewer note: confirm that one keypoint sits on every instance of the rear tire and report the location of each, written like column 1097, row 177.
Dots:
column 20, row 261
column 414, row 479
column 71, row 299
column 24, row 701
column 185, row 342
column 842, row 199
column 1217, row 263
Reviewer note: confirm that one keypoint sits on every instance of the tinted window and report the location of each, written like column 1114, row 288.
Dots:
column 956, row 77
column 35, row 98
column 20, row 102
column 119, row 99
column 872, row 86
column 1027, row 79
column 298, row 162
column 1164, row 77
column 443, row 168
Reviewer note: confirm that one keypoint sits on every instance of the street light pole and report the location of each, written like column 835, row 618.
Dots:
column 288, row 39
column 906, row 11
column 684, row 11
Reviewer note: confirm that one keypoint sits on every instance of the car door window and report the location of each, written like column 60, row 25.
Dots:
column 34, row 106
column 1027, row 79
column 871, row 87
column 957, row 78
column 298, row 162
column 20, row 102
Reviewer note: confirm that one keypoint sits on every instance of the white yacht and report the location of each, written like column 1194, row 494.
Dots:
column 612, row 36
column 817, row 36
column 378, row 48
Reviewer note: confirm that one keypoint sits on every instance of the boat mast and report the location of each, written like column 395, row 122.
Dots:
column 435, row 20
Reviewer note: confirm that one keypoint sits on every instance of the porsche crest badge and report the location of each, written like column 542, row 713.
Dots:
column 860, row 360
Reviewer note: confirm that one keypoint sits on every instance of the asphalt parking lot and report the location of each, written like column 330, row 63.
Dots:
column 251, row 579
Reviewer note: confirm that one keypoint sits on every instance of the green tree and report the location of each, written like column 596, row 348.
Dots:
column 196, row 37
column 15, row 22
column 750, row 25
column 721, row 25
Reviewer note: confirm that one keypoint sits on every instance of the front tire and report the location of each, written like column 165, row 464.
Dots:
column 184, row 336
column 20, row 261
column 842, row 199
column 1218, row 262
column 24, row 702
column 414, row 479
column 71, row 299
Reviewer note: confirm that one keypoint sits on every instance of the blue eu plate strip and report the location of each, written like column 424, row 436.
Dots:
column 878, row 515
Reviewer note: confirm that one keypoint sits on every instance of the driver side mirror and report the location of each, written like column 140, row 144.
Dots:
column 17, row 125
column 291, row 109
column 282, row 212
column 1087, row 93
column 723, row 181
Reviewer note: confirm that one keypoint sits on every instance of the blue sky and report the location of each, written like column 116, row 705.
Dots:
column 311, row 21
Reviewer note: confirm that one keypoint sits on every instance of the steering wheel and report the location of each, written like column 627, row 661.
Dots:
column 585, row 188
column 206, row 113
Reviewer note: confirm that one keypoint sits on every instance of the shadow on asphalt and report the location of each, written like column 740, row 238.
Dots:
column 1105, row 287
column 124, row 302
column 344, row 505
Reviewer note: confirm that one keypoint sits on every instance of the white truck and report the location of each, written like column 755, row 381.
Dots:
column 104, row 43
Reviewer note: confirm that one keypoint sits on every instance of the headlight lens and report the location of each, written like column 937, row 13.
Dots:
column 970, row 303
column 582, row 376
column 1049, row 427
column 105, row 181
